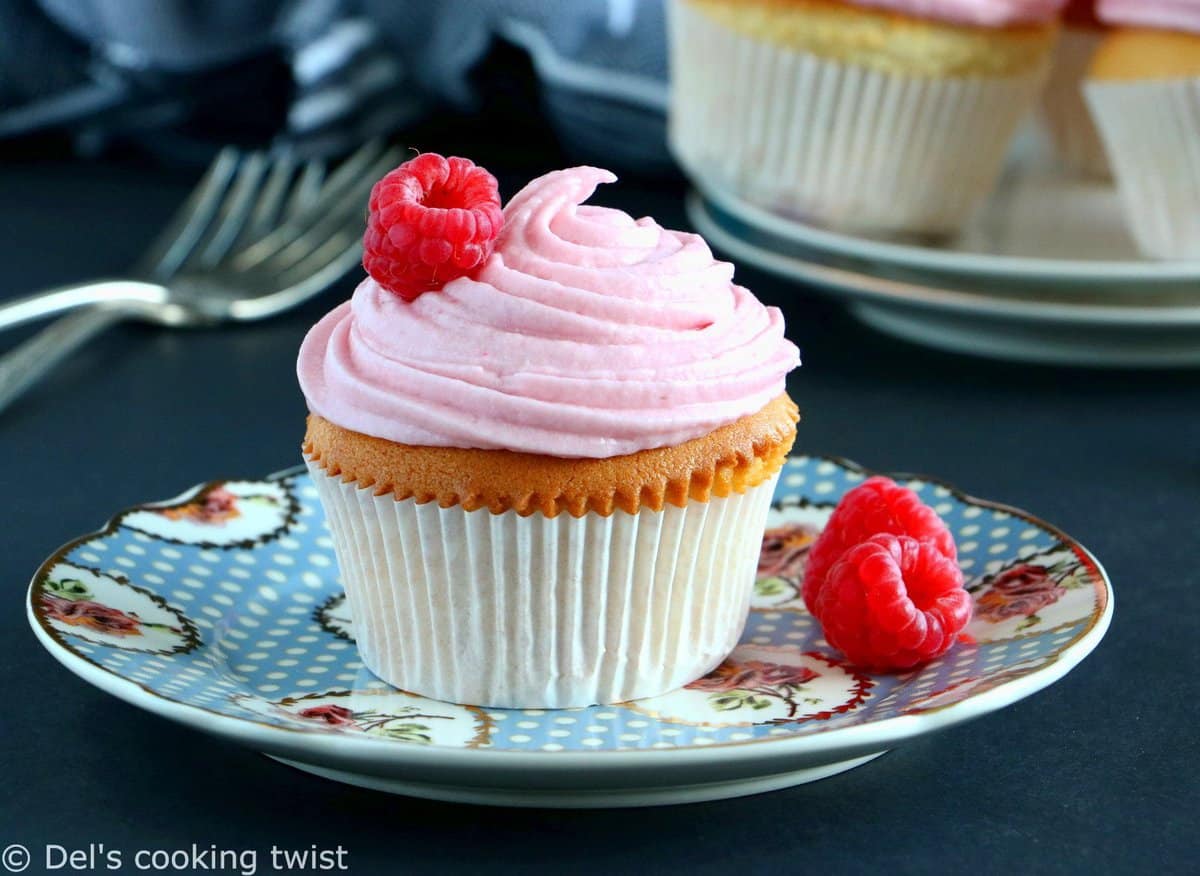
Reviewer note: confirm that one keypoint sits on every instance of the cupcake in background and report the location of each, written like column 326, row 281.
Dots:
column 546, row 466
column 1144, row 91
column 875, row 116
column 1064, row 112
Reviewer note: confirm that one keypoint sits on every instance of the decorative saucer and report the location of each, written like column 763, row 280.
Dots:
column 221, row 609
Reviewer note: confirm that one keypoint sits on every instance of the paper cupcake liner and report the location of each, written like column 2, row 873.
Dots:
column 837, row 143
column 1065, row 113
column 537, row 612
column 1151, row 130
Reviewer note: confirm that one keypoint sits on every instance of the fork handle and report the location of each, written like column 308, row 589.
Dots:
column 36, row 357
column 66, row 298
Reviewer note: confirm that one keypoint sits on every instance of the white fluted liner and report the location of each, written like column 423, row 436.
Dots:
column 1065, row 113
column 1151, row 130
column 837, row 143
column 532, row 612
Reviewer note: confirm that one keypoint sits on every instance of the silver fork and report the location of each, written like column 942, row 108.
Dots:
column 257, row 236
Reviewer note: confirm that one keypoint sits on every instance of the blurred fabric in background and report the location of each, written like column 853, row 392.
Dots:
column 178, row 78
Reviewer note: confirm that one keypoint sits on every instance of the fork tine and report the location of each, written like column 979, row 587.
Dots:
column 310, row 279
column 287, row 244
column 235, row 210
column 189, row 223
column 307, row 188
column 315, row 258
column 312, row 190
column 344, row 213
column 270, row 201
column 347, row 207
column 302, row 283
column 352, row 169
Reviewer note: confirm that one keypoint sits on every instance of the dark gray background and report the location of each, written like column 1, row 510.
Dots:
column 1098, row 773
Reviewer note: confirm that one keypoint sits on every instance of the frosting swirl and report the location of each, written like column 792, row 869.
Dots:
column 1182, row 15
column 981, row 13
column 585, row 334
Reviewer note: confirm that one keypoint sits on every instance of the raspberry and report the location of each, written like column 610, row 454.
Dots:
column 432, row 219
column 877, row 505
column 893, row 602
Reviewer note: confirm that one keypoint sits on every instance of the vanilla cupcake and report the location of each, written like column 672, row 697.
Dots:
column 1144, row 91
column 869, row 115
column 547, row 480
column 1064, row 112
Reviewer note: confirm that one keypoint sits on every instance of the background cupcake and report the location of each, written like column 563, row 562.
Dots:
column 1144, row 91
column 1064, row 112
column 870, row 115
column 548, row 480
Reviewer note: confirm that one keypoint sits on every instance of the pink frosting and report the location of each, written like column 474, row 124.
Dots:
column 586, row 334
column 982, row 13
column 1168, row 14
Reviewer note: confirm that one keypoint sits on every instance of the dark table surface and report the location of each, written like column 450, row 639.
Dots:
column 1098, row 773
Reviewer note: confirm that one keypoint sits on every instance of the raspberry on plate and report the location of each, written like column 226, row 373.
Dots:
column 877, row 505
column 893, row 602
column 433, row 219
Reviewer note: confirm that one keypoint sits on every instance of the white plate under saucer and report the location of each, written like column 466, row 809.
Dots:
column 1040, row 228
column 221, row 609
column 1157, row 329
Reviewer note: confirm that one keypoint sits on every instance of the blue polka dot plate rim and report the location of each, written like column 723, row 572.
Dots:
column 221, row 609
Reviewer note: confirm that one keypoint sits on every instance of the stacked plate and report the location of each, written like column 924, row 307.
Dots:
column 1046, row 272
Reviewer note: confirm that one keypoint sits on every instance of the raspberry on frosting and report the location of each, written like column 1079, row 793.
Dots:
column 432, row 219
column 877, row 505
column 1081, row 13
column 893, row 602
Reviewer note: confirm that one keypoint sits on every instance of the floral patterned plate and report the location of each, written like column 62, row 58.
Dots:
column 221, row 609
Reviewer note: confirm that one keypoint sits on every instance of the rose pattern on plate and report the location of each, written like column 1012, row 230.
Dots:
column 222, row 514
column 781, row 563
column 785, row 550
column 1019, row 592
column 411, row 726
column 334, row 716
column 753, row 684
column 215, row 508
column 791, row 531
column 85, row 613
column 764, row 684
column 385, row 714
column 1035, row 594
column 108, row 610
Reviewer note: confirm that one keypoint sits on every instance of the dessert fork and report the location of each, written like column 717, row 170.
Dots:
column 259, row 234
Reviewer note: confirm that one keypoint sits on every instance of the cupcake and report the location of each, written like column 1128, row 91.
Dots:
column 1064, row 112
column 1144, row 91
column 546, row 469
column 875, row 116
